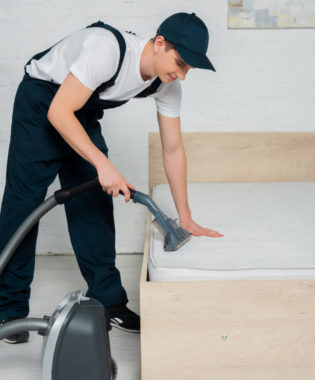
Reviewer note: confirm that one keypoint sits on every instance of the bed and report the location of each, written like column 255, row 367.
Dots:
column 242, row 306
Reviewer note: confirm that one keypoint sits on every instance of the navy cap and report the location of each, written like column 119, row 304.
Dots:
column 190, row 37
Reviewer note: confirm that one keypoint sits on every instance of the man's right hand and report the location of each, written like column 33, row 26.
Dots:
column 112, row 180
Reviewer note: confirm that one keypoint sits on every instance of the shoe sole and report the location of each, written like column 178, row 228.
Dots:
column 123, row 328
column 15, row 341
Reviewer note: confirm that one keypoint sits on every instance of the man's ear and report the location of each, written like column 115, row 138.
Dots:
column 159, row 43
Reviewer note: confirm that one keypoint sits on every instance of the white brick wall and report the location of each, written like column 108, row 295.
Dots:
column 265, row 81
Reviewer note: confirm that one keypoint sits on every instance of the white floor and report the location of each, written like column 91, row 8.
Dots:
column 55, row 276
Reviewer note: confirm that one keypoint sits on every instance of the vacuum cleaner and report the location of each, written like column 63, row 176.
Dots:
column 75, row 337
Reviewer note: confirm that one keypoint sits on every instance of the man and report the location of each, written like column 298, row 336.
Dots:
column 55, row 130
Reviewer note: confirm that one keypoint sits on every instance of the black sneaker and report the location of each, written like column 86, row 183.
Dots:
column 123, row 318
column 22, row 337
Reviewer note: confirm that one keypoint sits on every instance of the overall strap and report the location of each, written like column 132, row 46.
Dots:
column 151, row 89
column 122, row 47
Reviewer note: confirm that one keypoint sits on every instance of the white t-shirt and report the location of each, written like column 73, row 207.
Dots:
column 92, row 55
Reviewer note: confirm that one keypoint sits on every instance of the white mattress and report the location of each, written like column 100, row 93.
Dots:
column 268, row 227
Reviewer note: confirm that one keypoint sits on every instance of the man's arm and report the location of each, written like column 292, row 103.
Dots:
column 175, row 165
column 70, row 97
column 174, row 160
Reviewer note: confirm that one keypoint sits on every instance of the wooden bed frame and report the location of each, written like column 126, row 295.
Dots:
column 230, row 330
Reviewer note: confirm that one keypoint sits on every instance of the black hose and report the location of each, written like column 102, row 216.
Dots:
column 21, row 325
column 64, row 195
column 59, row 197
column 23, row 230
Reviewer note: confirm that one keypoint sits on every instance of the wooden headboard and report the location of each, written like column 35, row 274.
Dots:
column 240, row 157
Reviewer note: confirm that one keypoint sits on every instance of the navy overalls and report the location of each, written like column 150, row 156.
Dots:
column 37, row 153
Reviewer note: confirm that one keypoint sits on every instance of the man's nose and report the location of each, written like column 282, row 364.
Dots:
column 182, row 73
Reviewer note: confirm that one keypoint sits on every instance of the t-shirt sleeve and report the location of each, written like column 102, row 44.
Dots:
column 168, row 99
column 97, row 61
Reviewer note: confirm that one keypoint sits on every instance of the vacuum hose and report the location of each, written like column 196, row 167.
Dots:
column 34, row 324
column 59, row 197
column 23, row 230
column 21, row 325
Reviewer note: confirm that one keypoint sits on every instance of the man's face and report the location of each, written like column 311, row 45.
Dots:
column 168, row 64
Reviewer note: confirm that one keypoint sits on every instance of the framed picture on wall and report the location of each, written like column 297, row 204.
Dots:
column 244, row 14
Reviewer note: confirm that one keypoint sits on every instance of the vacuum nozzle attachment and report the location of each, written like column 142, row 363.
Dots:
column 174, row 235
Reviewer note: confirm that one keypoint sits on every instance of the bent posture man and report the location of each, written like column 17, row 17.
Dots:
column 55, row 130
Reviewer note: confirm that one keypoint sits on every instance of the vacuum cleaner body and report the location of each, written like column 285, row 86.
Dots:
column 76, row 343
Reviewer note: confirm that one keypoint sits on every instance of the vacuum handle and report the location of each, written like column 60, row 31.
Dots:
column 132, row 193
column 63, row 195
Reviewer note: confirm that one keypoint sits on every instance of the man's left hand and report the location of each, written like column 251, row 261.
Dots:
column 196, row 230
